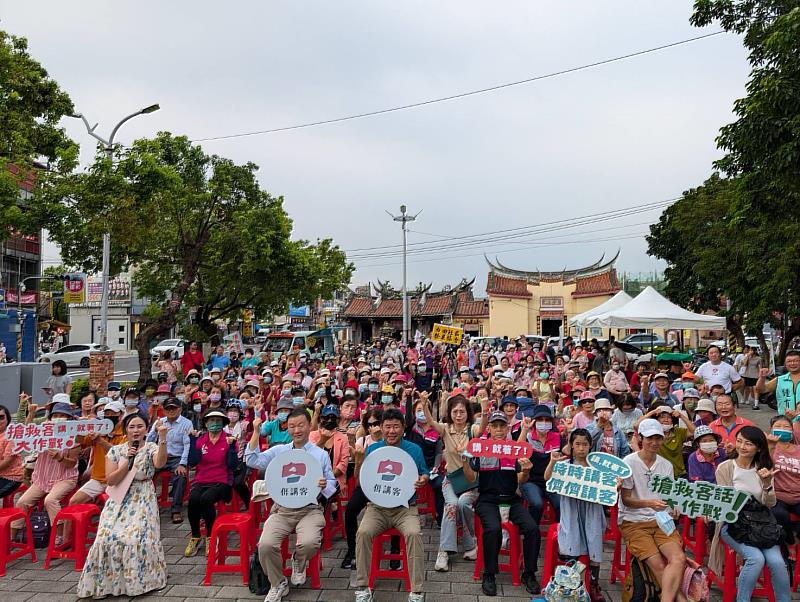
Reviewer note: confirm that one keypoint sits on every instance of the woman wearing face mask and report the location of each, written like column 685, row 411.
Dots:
column 674, row 436
column 55, row 473
column 786, row 455
column 205, row 384
column 237, row 428
column 539, row 431
column 420, row 432
column 606, row 437
column 708, row 455
column 275, row 431
column 156, row 410
column 215, row 397
column 10, row 464
column 626, row 414
column 595, row 385
column 127, row 558
column 214, row 455
column 333, row 442
column 192, row 381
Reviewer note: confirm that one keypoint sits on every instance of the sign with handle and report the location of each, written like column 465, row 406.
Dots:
column 387, row 477
column 53, row 435
column 447, row 334
column 503, row 450
column 292, row 478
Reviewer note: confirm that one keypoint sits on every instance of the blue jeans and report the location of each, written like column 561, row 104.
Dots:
column 535, row 497
column 754, row 560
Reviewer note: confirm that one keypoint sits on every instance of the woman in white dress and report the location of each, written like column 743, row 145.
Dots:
column 127, row 558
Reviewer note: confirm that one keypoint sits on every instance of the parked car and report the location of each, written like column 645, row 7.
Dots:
column 177, row 346
column 644, row 340
column 72, row 355
column 492, row 341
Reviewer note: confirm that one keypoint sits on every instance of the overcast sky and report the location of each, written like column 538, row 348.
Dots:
column 617, row 136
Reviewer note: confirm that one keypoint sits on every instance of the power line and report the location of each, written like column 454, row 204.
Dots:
column 432, row 101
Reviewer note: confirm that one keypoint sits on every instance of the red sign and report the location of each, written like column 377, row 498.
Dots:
column 293, row 471
column 27, row 298
column 505, row 449
column 389, row 467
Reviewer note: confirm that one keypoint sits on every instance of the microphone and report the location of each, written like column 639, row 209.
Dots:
column 135, row 445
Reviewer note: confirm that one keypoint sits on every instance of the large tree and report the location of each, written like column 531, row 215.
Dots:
column 31, row 105
column 174, row 214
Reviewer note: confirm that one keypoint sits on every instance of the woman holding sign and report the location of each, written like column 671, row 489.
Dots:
column 127, row 558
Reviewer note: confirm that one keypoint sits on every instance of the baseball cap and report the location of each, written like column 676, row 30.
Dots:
column 172, row 402
column 164, row 389
column 113, row 386
column 650, row 427
column 587, row 396
column 330, row 410
column 663, row 410
column 688, row 374
column 114, row 406
column 131, row 391
column 661, row 375
column 60, row 398
column 498, row 416
column 285, row 403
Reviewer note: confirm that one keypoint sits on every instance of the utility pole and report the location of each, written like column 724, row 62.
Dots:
column 404, row 218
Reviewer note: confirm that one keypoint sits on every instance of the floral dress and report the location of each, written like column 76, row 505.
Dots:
column 127, row 558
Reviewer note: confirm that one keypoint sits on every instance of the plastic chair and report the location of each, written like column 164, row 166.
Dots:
column 75, row 547
column 551, row 559
column 618, row 570
column 548, row 515
column 693, row 532
column 514, row 551
column 163, row 479
column 9, row 500
column 378, row 554
column 333, row 526
column 10, row 550
column 426, row 502
column 218, row 550
column 258, row 511
column 313, row 569
column 730, row 572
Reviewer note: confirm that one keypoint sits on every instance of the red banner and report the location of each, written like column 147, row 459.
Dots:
column 27, row 298
column 505, row 449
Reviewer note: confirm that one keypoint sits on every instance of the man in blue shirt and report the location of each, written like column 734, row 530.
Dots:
column 376, row 519
column 177, row 452
column 307, row 522
column 219, row 359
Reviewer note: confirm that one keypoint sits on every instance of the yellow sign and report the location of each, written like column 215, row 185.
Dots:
column 247, row 329
column 447, row 334
column 75, row 288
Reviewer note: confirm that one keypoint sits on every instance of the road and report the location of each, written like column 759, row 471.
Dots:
column 125, row 369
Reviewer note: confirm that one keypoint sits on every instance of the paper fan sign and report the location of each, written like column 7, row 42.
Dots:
column 387, row 477
column 292, row 478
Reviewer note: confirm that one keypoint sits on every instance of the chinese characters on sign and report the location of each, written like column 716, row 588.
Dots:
column 595, row 483
column 504, row 450
column 53, row 435
column 699, row 498
column 387, row 477
column 292, row 479
column 447, row 334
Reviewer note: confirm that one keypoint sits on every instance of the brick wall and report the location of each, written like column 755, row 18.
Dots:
column 101, row 370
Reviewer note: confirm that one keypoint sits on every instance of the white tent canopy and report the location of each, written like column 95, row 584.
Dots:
column 651, row 310
column 617, row 301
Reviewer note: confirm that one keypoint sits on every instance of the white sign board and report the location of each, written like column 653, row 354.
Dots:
column 387, row 477
column 53, row 435
column 292, row 479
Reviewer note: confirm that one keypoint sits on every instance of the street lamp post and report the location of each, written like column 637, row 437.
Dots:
column 20, row 317
column 404, row 218
column 108, row 148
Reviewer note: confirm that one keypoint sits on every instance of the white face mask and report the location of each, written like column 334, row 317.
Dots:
column 708, row 447
column 667, row 427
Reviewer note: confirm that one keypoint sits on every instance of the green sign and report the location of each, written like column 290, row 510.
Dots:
column 699, row 498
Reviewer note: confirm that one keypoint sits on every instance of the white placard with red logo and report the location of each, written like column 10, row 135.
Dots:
column 502, row 450
column 53, row 435
column 292, row 479
column 387, row 477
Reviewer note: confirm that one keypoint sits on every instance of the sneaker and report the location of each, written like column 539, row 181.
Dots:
column 504, row 540
column 595, row 593
column 488, row 584
column 442, row 562
column 755, row 406
column 531, row 583
column 416, row 597
column 394, row 565
column 298, row 572
column 471, row 554
column 193, row 545
column 277, row 592
column 347, row 561
column 364, row 595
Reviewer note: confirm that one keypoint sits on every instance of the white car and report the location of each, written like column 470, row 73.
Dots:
column 72, row 355
column 176, row 346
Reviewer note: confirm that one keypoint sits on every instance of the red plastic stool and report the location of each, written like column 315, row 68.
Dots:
column 378, row 554
column 426, row 501
column 163, row 496
column 313, row 569
column 218, row 551
column 333, row 526
column 548, row 515
column 612, row 530
column 259, row 512
column 514, row 551
column 730, row 571
column 618, row 570
column 10, row 550
column 551, row 559
column 101, row 499
column 8, row 500
column 81, row 516
column 693, row 532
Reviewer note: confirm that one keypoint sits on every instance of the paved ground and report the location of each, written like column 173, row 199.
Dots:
column 31, row 583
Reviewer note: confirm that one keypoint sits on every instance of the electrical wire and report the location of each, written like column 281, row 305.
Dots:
column 461, row 95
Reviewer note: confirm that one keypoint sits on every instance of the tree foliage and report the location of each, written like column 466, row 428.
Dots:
column 31, row 105
column 193, row 229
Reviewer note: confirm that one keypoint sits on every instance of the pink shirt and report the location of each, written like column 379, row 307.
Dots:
column 581, row 421
column 12, row 472
column 213, row 466
column 48, row 471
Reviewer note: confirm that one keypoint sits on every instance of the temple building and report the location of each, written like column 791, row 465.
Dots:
column 377, row 310
column 537, row 302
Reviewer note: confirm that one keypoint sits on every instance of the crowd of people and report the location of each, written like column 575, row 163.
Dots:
column 227, row 416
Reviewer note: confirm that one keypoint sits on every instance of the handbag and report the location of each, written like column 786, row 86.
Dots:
column 459, row 482
column 567, row 584
column 695, row 584
column 756, row 526
column 257, row 581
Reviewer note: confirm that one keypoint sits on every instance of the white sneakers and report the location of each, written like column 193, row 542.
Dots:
column 298, row 572
column 364, row 595
column 416, row 597
column 471, row 554
column 442, row 562
column 277, row 592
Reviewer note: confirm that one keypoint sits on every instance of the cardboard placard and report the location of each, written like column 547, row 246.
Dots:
column 700, row 498
column 53, row 435
column 292, row 479
column 609, row 463
column 387, row 477
column 583, row 483
column 503, row 450
column 447, row 334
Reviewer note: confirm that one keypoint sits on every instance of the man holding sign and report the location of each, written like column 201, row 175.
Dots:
column 306, row 517
column 397, row 471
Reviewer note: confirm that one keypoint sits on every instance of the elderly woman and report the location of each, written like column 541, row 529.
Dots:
column 10, row 464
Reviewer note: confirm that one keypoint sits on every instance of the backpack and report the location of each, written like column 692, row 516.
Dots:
column 756, row 526
column 40, row 527
column 640, row 584
column 695, row 585
column 567, row 584
column 257, row 581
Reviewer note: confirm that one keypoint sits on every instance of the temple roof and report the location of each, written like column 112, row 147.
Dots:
column 564, row 275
